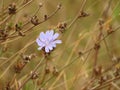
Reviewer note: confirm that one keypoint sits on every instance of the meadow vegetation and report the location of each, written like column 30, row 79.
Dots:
column 86, row 56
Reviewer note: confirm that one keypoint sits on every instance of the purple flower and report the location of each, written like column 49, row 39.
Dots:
column 48, row 40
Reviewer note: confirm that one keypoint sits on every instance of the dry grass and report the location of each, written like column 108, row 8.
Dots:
column 87, row 59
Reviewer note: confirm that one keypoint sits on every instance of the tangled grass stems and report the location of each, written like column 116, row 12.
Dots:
column 81, row 67
column 79, row 13
column 16, row 55
column 69, row 58
column 85, row 55
column 104, row 37
column 16, row 37
column 68, row 27
column 31, row 74
column 76, row 58
column 68, row 80
column 9, row 16
column 108, row 82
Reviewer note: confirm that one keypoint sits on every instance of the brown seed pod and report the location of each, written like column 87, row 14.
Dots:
column 12, row 8
column 19, row 66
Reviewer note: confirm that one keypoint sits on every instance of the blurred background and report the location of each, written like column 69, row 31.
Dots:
column 80, row 37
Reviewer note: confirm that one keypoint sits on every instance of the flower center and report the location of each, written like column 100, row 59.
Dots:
column 47, row 42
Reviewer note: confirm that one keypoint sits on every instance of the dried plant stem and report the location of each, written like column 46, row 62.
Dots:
column 44, row 74
column 103, row 38
column 96, row 48
column 115, row 85
column 2, row 10
column 68, row 61
column 65, row 80
column 108, row 82
column 106, row 11
column 8, row 67
column 106, row 45
column 31, row 74
column 24, row 5
column 77, row 16
column 26, row 23
column 68, row 80
column 105, row 17
column 75, row 59
column 13, row 36
column 116, row 29
column 50, row 16
column 17, row 53
column 95, row 59
column 91, row 81
column 9, row 16
column 81, row 67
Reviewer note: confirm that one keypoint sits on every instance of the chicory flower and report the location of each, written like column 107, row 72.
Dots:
column 48, row 40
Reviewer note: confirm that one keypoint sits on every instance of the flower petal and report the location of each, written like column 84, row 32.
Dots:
column 40, row 43
column 53, row 44
column 48, row 40
column 47, row 33
column 50, row 35
column 46, row 49
column 55, row 36
column 51, row 32
column 42, row 36
column 57, row 41
column 50, row 47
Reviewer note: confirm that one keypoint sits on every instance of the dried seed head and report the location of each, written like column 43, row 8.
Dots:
column 34, row 75
column 110, row 29
column 8, row 86
column 59, row 6
column 45, row 17
column 98, row 70
column 27, row 58
column 80, row 53
column 17, row 27
column 3, row 34
column 19, row 66
column 61, row 27
column 96, row 46
column 101, row 21
column 40, row 4
column 55, row 71
column 35, row 20
column 47, row 70
column 83, row 14
column 116, row 72
column 116, row 59
column 12, row 8
column 102, row 79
